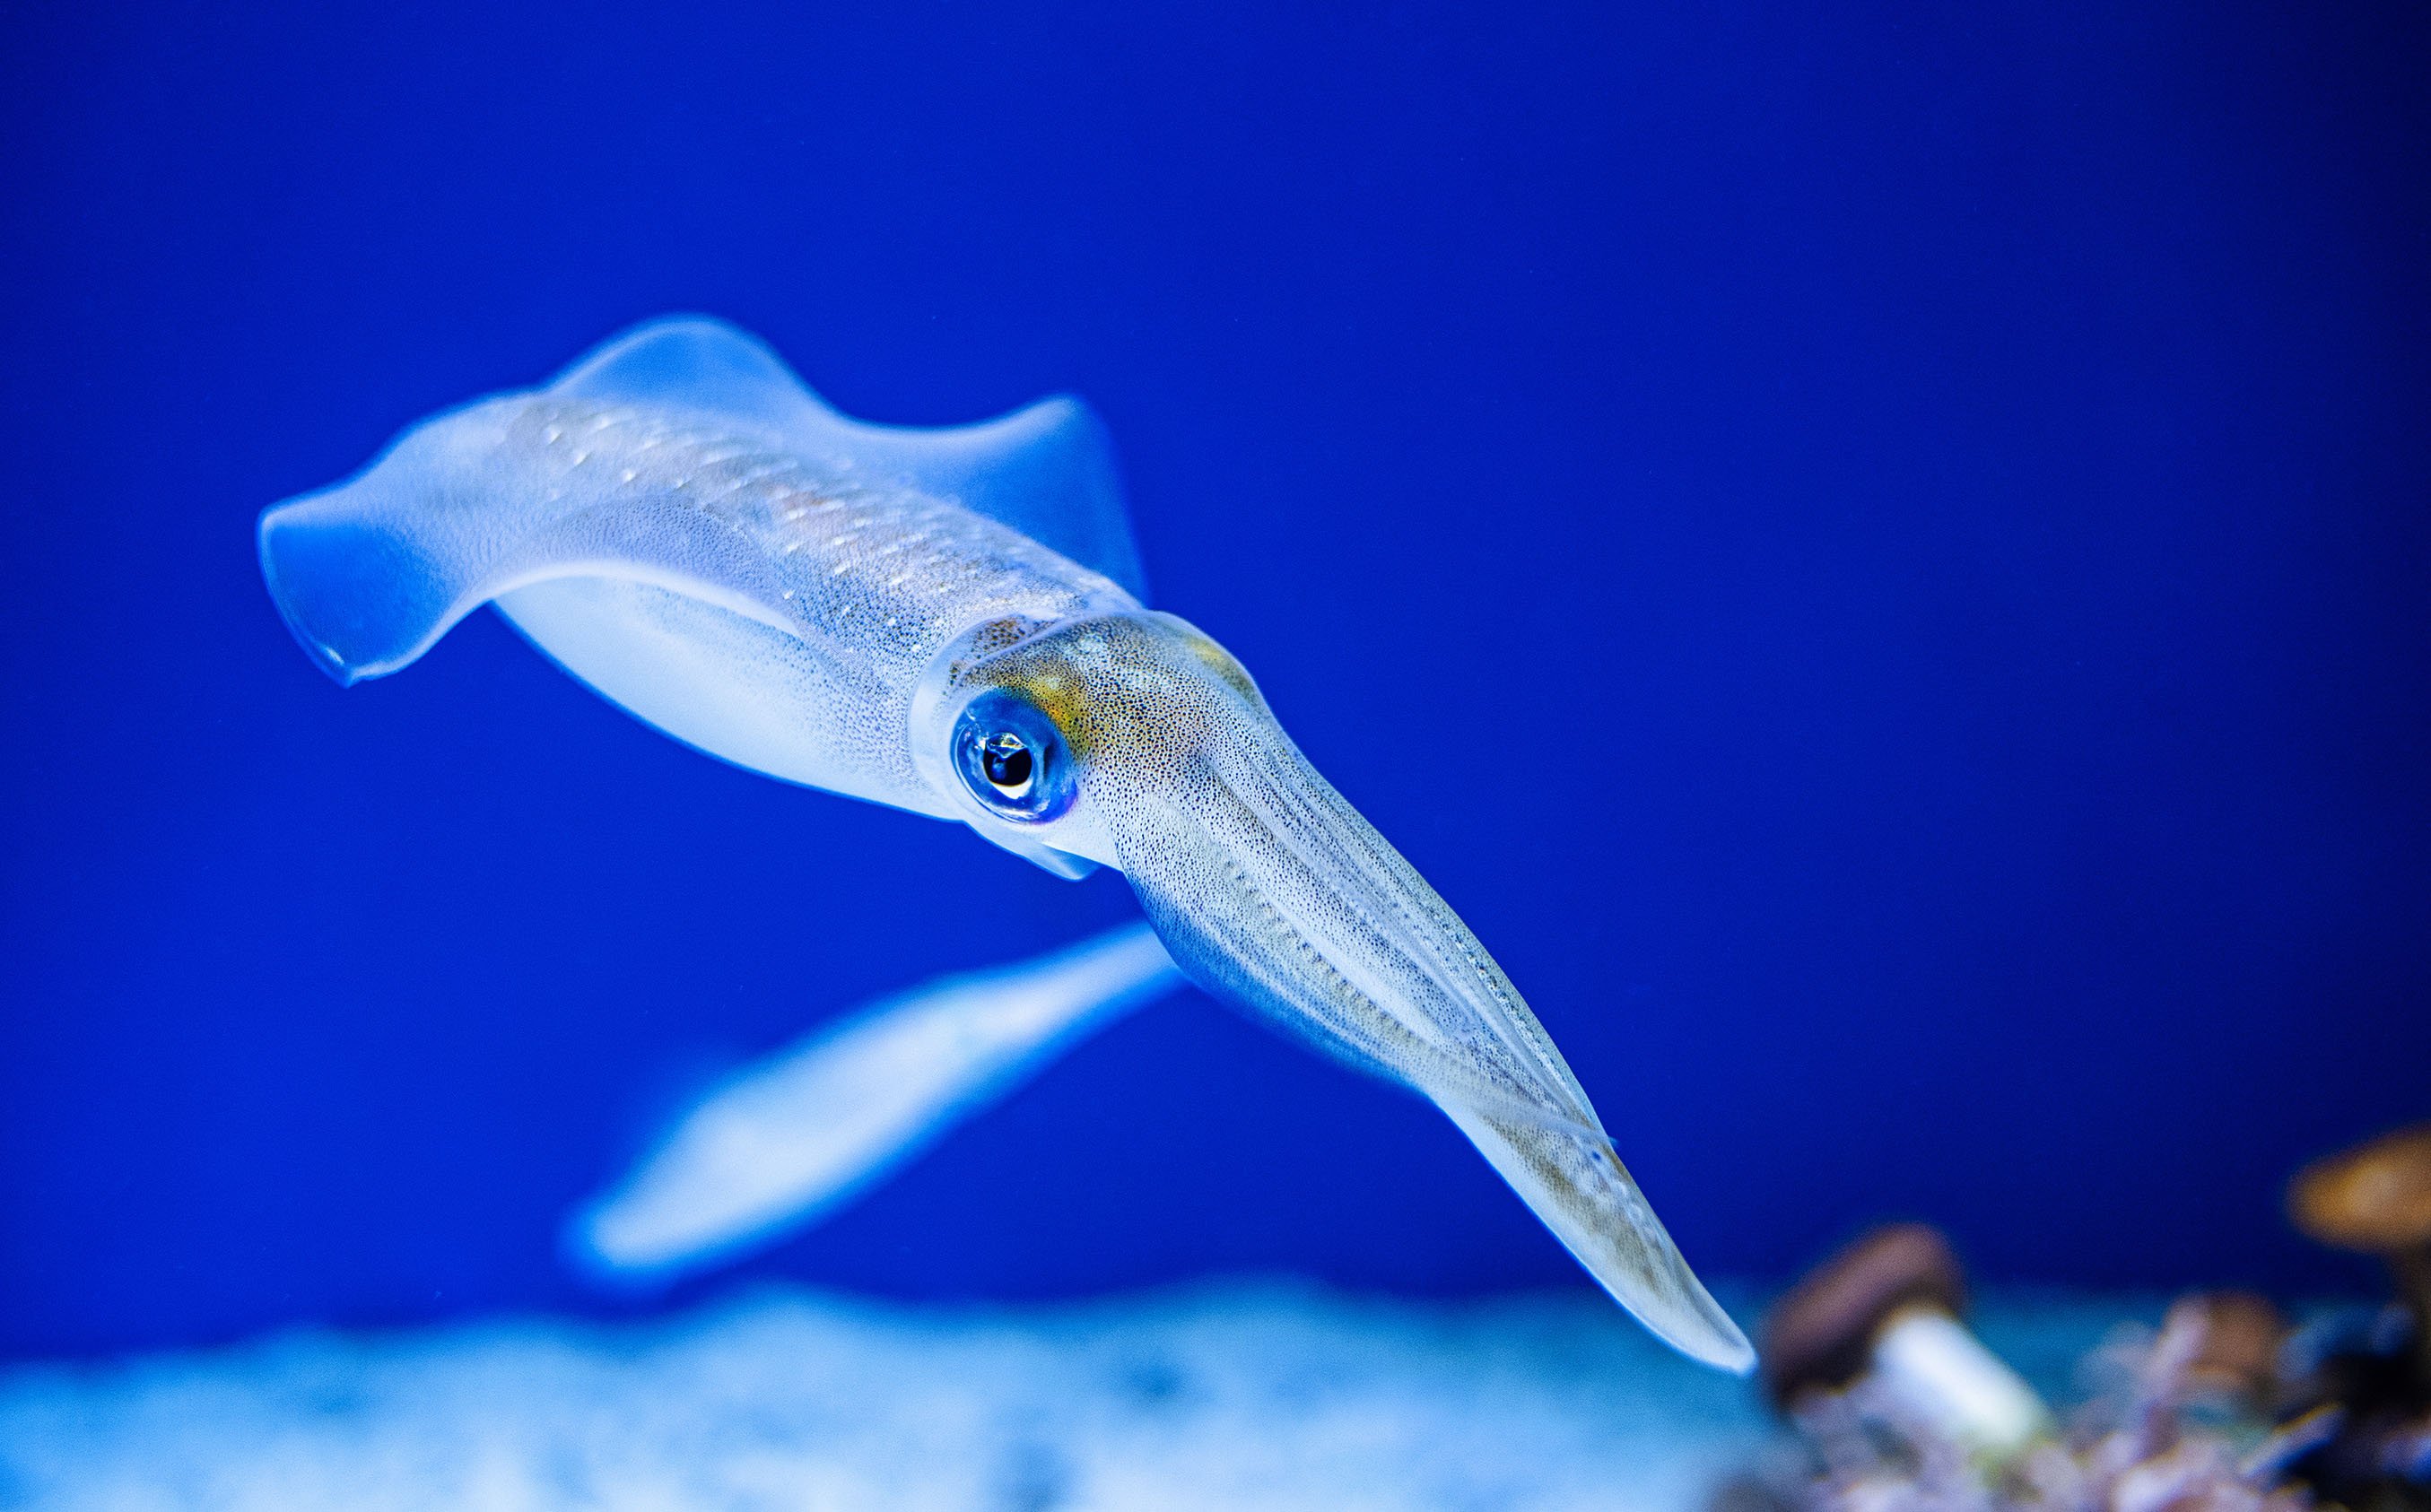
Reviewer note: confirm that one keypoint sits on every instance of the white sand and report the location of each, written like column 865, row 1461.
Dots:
column 1269, row 1397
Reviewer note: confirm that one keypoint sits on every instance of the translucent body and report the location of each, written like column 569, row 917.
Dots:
column 790, row 1138
column 765, row 580
column 683, row 526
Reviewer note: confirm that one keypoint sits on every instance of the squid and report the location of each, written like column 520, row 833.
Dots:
column 951, row 622
column 794, row 1135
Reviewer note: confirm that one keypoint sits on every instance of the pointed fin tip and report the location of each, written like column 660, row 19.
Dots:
column 1683, row 1314
column 1713, row 1339
column 318, row 652
column 1596, row 1212
column 1684, row 1317
column 595, row 1257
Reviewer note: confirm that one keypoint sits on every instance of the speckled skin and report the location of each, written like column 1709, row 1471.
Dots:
column 865, row 586
column 825, row 597
column 684, row 527
column 1274, row 893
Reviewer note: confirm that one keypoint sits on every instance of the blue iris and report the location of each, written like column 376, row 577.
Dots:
column 1012, row 759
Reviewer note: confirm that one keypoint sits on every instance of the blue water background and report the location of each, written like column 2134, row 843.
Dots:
column 1877, row 553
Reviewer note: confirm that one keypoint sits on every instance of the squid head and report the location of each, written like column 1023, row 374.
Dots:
column 1134, row 741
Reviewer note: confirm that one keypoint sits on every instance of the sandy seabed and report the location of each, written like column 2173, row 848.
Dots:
column 1237, row 1396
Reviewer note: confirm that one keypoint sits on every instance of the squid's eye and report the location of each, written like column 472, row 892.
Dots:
column 1012, row 759
column 1008, row 765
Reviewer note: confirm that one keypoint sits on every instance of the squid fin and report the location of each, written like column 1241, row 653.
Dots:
column 370, row 573
column 1046, row 470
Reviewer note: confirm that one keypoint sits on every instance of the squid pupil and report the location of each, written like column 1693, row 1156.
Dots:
column 1007, row 761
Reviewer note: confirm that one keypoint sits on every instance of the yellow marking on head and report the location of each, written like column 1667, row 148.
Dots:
column 1148, row 692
